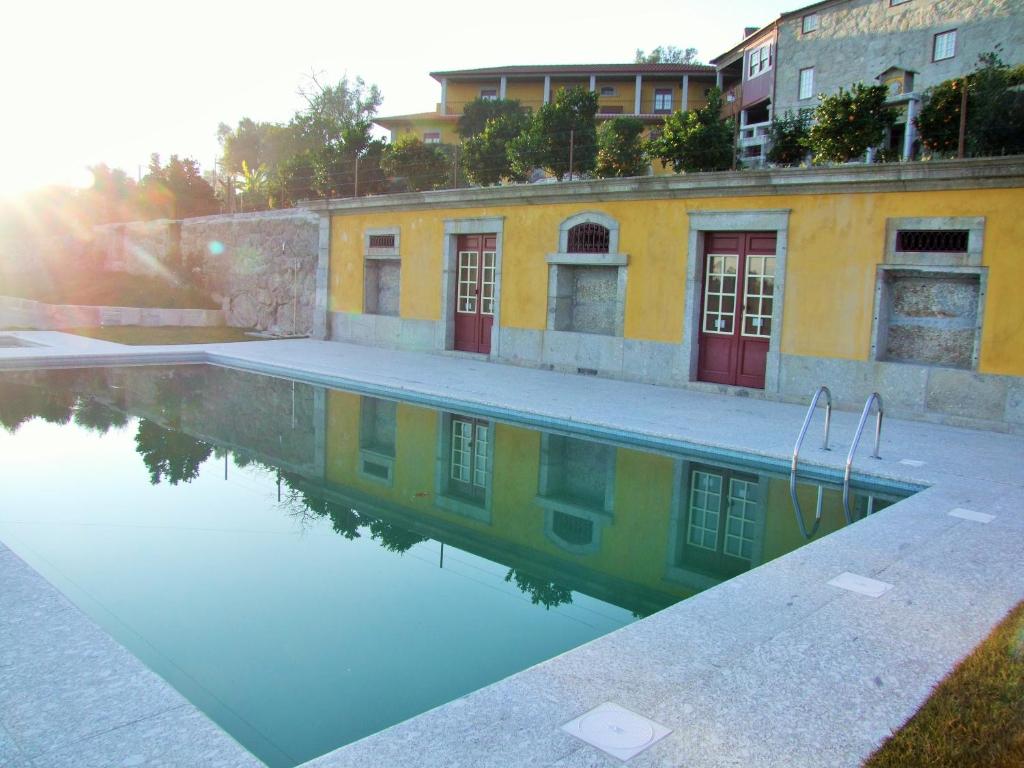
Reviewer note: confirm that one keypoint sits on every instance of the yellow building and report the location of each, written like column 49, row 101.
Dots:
column 647, row 91
column 891, row 278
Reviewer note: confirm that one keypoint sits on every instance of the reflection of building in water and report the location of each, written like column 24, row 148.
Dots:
column 638, row 529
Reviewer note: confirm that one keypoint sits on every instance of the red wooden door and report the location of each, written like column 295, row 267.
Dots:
column 474, row 292
column 736, row 307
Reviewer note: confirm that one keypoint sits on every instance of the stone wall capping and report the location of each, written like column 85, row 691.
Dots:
column 995, row 172
column 589, row 259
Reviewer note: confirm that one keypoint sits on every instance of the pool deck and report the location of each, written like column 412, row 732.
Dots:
column 776, row 667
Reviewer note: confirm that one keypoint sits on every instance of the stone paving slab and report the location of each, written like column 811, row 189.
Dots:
column 772, row 668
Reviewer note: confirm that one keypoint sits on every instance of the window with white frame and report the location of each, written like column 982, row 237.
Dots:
column 806, row 83
column 759, row 61
column 809, row 23
column 759, row 296
column 607, row 90
column 489, row 94
column 705, row 503
column 663, row 100
column 944, row 45
column 432, row 137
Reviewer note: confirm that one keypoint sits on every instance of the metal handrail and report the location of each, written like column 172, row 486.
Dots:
column 876, row 399
column 796, row 457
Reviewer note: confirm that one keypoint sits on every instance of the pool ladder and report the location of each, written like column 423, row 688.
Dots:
column 873, row 399
column 822, row 390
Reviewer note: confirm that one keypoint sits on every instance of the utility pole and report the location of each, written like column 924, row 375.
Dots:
column 572, row 141
column 961, row 145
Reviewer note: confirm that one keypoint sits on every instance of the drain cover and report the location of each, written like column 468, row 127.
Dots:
column 616, row 730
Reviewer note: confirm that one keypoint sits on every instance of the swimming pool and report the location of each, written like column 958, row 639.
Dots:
column 310, row 565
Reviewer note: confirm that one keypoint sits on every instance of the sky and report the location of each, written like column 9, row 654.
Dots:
column 113, row 82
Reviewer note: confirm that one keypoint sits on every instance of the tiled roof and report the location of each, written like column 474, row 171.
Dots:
column 579, row 69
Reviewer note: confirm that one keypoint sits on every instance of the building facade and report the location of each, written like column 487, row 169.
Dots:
column 646, row 91
column 909, row 45
column 897, row 279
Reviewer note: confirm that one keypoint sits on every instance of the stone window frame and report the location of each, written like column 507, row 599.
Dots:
column 682, row 472
column 370, row 453
column 442, row 497
column 599, row 517
column 767, row 220
column 941, row 263
column 374, row 254
column 557, row 274
column 975, row 226
column 492, row 225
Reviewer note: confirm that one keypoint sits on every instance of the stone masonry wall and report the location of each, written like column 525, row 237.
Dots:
column 260, row 265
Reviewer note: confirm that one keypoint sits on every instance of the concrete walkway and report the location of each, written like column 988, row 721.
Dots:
column 777, row 667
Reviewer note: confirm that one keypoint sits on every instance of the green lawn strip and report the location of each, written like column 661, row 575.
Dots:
column 106, row 289
column 975, row 717
column 136, row 335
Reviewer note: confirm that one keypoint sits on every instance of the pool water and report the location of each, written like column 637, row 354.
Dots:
column 309, row 566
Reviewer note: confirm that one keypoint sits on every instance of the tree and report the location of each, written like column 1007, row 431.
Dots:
column 566, row 122
column 697, row 140
column 113, row 196
column 421, row 166
column 479, row 112
column 485, row 156
column 668, row 54
column 169, row 454
column 788, row 137
column 541, row 591
column 339, row 114
column 995, row 111
column 620, row 148
column 848, row 123
column 176, row 190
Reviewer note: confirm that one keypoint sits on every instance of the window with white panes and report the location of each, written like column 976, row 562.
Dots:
column 944, row 45
column 468, row 265
column 487, row 282
column 663, row 100
column 720, row 293
column 489, row 94
column 809, row 23
column 759, row 296
column 431, row 137
column 469, row 463
column 742, row 519
column 705, row 503
column 806, row 83
column 759, row 61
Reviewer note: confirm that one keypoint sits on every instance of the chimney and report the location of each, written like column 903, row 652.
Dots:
column 748, row 31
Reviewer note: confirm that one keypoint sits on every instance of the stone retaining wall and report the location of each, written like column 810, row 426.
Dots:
column 260, row 266
column 25, row 313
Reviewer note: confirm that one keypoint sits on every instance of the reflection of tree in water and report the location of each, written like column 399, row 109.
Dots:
column 347, row 521
column 541, row 591
column 170, row 454
column 393, row 538
column 21, row 402
column 97, row 416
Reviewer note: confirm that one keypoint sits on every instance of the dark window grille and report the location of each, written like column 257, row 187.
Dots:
column 589, row 238
column 572, row 529
column 932, row 240
column 382, row 241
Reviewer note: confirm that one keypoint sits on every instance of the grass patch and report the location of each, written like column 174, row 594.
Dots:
column 137, row 335
column 103, row 289
column 975, row 717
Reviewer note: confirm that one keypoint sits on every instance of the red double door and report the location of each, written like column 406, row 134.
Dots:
column 737, row 300
column 476, row 263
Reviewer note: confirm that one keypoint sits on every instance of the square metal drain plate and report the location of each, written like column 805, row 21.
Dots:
column 616, row 731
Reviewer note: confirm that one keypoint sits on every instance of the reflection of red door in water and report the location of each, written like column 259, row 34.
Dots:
column 736, row 307
column 474, row 292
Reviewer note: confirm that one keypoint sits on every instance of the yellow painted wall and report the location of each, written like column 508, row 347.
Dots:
column 529, row 93
column 460, row 94
column 447, row 128
column 835, row 243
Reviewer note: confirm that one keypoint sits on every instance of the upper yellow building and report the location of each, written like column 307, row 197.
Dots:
column 647, row 91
